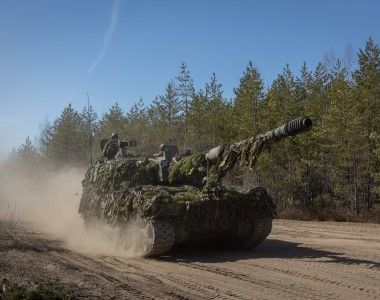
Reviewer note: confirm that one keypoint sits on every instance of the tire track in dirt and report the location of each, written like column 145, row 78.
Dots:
column 282, row 288
column 300, row 260
column 314, row 278
column 137, row 284
column 227, row 279
column 186, row 283
column 197, row 280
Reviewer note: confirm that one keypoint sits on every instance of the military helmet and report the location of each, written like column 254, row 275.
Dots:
column 114, row 136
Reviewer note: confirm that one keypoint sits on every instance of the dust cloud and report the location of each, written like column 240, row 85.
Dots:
column 48, row 201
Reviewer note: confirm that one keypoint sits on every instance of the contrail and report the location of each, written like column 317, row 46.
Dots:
column 108, row 36
column 72, row 94
column 115, row 12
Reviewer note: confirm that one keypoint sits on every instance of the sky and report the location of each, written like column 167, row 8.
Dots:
column 53, row 52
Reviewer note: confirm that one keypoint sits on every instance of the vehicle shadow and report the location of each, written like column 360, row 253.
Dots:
column 270, row 248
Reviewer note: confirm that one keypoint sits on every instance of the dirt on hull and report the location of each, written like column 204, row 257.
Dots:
column 299, row 260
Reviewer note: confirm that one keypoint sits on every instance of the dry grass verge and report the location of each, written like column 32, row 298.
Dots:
column 330, row 213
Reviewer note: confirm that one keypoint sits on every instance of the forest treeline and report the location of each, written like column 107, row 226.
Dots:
column 334, row 166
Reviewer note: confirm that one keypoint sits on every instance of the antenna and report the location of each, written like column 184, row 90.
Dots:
column 89, row 125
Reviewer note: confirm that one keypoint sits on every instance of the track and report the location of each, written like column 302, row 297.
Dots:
column 300, row 260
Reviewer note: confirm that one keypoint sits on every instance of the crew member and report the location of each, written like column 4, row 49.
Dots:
column 111, row 148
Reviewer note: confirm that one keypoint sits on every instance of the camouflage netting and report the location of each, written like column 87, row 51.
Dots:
column 224, row 210
column 192, row 170
column 123, row 189
column 239, row 154
column 189, row 170
column 107, row 181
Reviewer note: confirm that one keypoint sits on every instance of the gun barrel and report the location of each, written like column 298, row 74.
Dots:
column 293, row 127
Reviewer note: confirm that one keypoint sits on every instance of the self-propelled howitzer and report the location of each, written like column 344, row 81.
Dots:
column 180, row 200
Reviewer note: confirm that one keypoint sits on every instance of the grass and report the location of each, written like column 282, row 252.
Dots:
column 35, row 288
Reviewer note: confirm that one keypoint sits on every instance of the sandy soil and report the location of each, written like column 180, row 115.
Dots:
column 300, row 260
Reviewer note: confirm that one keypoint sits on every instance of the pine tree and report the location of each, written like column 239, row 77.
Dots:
column 340, row 139
column 281, row 102
column 247, row 104
column 67, row 139
column 27, row 152
column 138, row 129
column 135, row 118
column 198, row 119
column 367, row 79
column 303, row 87
column 312, row 96
column 44, row 140
column 89, row 129
column 113, row 121
column 318, row 100
column 165, row 112
column 185, row 91
column 24, row 160
column 217, row 117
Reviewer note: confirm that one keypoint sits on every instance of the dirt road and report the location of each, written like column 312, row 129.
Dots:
column 300, row 260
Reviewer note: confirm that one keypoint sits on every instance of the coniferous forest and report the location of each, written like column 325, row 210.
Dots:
column 332, row 172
